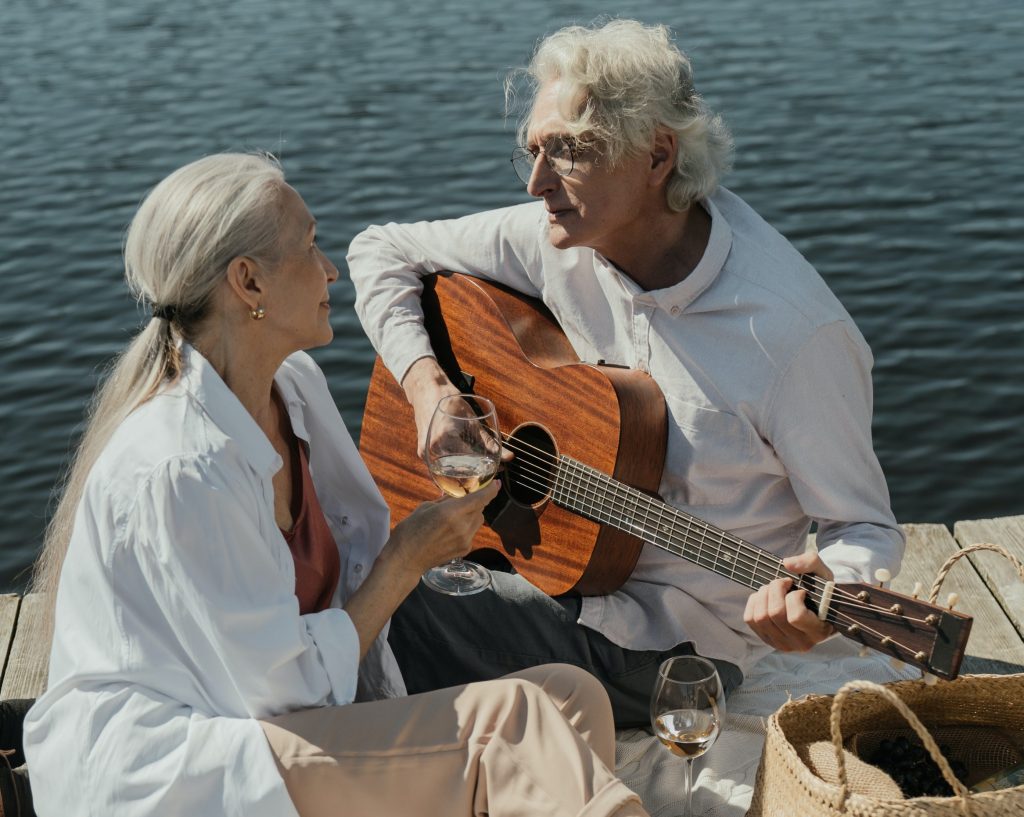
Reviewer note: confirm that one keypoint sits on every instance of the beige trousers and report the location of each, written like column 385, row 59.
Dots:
column 538, row 742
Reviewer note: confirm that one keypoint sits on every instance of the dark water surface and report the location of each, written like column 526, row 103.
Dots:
column 883, row 138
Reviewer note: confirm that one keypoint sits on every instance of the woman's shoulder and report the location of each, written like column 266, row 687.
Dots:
column 169, row 433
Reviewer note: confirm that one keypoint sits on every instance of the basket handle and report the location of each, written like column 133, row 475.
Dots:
column 948, row 564
column 915, row 723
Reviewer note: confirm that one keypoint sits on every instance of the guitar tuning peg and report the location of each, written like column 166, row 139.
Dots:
column 952, row 599
column 896, row 664
column 929, row 679
column 882, row 576
column 918, row 590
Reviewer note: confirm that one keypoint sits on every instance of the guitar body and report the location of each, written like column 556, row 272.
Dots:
column 505, row 346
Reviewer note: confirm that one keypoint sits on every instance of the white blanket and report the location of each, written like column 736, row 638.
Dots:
column 724, row 778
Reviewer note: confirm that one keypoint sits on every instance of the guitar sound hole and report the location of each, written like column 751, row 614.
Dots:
column 530, row 474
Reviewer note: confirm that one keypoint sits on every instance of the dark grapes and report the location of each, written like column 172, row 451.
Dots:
column 908, row 763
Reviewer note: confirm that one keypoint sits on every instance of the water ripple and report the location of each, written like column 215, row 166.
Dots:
column 882, row 138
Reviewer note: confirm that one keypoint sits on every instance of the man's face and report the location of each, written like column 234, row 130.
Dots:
column 596, row 205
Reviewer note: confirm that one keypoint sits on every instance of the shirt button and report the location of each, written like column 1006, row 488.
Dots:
column 344, row 520
column 358, row 569
column 674, row 310
column 641, row 366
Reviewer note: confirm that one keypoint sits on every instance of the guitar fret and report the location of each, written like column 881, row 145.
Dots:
column 596, row 496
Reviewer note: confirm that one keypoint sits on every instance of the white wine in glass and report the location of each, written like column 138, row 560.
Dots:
column 463, row 453
column 687, row 709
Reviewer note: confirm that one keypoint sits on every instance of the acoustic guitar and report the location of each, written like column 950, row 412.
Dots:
column 578, row 523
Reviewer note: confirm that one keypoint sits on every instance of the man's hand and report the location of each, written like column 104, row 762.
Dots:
column 778, row 614
column 425, row 384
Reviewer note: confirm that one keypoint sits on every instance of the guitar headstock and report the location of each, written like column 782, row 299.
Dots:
column 922, row 634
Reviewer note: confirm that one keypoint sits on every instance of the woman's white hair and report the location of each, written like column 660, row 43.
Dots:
column 621, row 81
column 176, row 252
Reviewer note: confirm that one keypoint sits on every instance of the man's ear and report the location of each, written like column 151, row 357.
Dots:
column 663, row 155
column 245, row 278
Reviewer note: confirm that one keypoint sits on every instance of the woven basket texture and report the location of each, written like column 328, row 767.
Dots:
column 786, row 787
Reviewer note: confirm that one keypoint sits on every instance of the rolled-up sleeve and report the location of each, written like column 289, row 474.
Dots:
column 820, row 427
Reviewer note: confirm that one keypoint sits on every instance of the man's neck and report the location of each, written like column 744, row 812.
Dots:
column 665, row 247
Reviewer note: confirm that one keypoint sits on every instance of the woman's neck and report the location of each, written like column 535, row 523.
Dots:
column 247, row 369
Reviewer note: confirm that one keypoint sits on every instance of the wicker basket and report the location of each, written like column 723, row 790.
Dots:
column 787, row 787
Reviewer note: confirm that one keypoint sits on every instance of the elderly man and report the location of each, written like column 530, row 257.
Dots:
column 645, row 259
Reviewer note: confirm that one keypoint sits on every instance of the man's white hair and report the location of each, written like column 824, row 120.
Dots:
column 621, row 81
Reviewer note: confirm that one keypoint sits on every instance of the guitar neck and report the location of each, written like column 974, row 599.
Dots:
column 904, row 627
column 600, row 498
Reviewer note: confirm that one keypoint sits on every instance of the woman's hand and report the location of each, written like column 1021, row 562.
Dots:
column 432, row 534
column 778, row 614
column 439, row 531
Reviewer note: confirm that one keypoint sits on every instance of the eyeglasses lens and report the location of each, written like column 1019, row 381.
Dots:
column 556, row 152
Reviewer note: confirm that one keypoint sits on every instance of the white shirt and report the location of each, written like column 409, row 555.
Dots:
column 177, row 624
column 766, row 380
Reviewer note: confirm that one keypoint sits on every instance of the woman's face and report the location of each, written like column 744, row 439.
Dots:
column 296, row 301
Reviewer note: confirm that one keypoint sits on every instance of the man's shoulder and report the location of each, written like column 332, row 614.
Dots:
column 771, row 270
column 754, row 239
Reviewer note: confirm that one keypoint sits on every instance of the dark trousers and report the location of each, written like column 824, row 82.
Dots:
column 443, row 641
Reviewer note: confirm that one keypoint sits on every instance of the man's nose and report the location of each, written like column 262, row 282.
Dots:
column 543, row 178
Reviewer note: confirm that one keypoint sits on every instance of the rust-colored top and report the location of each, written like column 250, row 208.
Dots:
column 317, row 565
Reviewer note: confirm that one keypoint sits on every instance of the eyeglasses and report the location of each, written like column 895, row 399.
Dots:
column 557, row 151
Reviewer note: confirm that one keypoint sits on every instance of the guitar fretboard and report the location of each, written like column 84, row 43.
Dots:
column 600, row 498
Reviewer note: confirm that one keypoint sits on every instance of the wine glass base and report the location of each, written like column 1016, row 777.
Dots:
column 459, row 579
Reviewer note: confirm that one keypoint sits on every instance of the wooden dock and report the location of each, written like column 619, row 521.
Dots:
column 988, row 587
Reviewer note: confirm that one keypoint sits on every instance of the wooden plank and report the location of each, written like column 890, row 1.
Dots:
column 8, row 616
column 998, row 573
column 29, row 658
column 994, row 644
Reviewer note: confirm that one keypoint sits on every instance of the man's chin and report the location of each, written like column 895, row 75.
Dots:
column 559, row 238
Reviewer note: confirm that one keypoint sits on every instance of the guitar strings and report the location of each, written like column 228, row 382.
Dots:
column 544, row 484
column 835, row 615
column 545, row 479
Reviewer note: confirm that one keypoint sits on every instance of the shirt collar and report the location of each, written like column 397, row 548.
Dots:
column 293, row 402
column 678, row 297
column 202, row 381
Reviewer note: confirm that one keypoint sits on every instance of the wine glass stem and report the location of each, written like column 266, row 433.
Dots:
column 687, row 787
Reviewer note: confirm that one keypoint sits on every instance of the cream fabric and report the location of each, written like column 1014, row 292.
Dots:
column 724, row 777
column 538, row 743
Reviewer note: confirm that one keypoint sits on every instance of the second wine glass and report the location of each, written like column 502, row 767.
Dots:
column 687, row 710
column 463, row 452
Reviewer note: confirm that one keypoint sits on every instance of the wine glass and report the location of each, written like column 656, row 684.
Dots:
column 463, row 453
column 687, row 710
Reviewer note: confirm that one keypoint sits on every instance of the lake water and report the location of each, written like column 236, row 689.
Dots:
column 883, row 138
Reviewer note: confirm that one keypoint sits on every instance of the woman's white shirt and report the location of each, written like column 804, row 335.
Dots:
column 177, row 625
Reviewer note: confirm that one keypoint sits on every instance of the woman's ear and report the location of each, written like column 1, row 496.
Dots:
column 664, row 146
column 245, row 279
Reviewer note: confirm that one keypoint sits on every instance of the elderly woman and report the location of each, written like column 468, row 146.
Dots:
column 226, row 572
